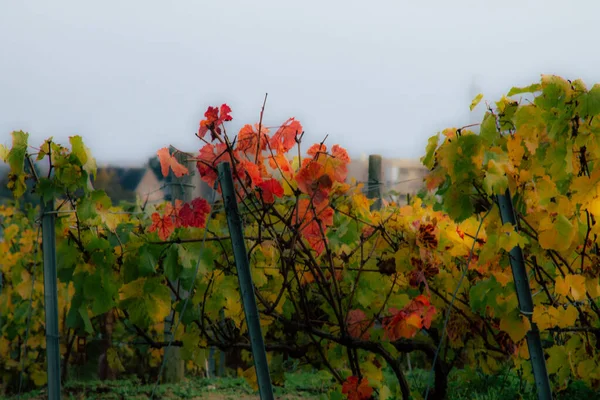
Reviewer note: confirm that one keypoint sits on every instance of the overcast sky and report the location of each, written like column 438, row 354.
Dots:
column 132, row 76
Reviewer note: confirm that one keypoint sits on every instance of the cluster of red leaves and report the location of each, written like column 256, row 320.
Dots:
column 357, row 390
column 255, row 157
column 411, row 319
column 358, row 324
column 180, row 216
column 215, row 118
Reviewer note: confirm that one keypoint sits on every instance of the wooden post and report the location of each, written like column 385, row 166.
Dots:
column 375, row 183
column 179, row 189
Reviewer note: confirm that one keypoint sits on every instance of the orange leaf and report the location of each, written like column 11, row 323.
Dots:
column 249, row 173
column 280, row 162
column 164, row 225
column 313, row 181
column 285, row 137
column 355, row 390
column 247, row 139
column 316, row 149
column 269, row 189
column 168, row 161
column 340, row 153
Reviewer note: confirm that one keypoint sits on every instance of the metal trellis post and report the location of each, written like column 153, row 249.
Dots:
column 245, row 280
column 517, row 264
column 51, row 299
column 375, row 181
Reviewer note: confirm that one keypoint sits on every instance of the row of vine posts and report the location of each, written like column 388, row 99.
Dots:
column 181, row 189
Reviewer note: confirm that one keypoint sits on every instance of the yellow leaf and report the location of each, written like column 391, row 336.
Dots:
column 515, row 325
column 250, row 377
column 373, row 373
column 509, row 238
column 133, row 289
column 38, row 376
column 4, row 347
column 561, row 286
column 593, row 288
column 557, row 235
column 10, row 232
column 3, row 152
column 545, row 189
column 476, row 101
column 586, row 189
column 566, row 318
column 24, row 287
column 577, row 285
column 114, row 362
column 515, row 148
column 503, row 277
column 545, row 317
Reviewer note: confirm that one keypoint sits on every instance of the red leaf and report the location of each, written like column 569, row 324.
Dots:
column 408, row 321
column 225, row 113
column 195, row 215
column 355, row 390
column 358, row 324
column 314, row 237
column 214, row 121
column 271, row 188
column 164, row 225
column 168, row 161
column 285, row 137
column 210, row 155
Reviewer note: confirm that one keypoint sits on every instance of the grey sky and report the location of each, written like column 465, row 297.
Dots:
column 132, row 76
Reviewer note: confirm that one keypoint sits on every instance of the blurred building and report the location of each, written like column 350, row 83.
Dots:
column 401, row 177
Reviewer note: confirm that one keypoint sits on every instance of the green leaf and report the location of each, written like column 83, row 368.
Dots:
column 147, row 261
column 90, row 206
column 589, row 103
column 171, row 265
column 16, row 155
column 147, row 300
column 429, row 158
column 476, row 101
column 87, row 324
column 47, row 189
column 83, row 154
column 495, row 181
column 535, row 87
column 458, row 203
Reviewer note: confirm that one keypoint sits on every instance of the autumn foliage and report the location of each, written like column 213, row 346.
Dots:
column 338, row 284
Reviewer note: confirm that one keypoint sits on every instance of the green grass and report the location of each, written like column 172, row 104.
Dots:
column 299, row 385
column 462, row 385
